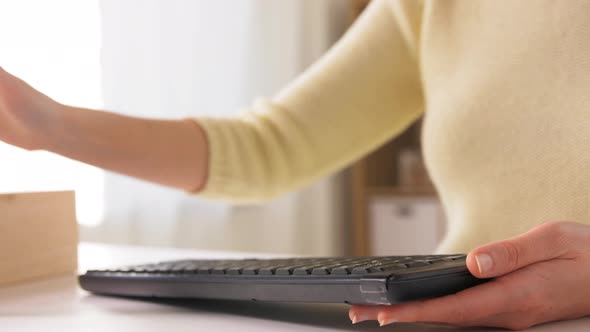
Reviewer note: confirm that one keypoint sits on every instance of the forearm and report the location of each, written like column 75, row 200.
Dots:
column 169, row 152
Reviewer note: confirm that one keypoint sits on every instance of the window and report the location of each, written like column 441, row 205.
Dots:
column 55, row 46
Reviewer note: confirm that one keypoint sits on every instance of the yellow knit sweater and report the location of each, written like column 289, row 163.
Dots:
column 505, row 89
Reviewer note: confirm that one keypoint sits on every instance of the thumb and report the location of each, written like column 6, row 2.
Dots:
column 3, row 73
column 542, row 243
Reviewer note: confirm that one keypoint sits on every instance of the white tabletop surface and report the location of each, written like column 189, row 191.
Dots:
column 59, row 305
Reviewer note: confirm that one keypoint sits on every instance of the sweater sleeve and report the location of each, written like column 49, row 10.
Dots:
column 365, row 90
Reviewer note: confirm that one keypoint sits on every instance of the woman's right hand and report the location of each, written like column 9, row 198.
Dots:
column 169, row 152
column 25, row 113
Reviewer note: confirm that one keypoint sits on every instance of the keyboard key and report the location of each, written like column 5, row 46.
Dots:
column 267, row 271
column 454, row 258
column 204, row 270
column 417, row 264
column 362, row 269
column 284, row 271
column 388, row 267
column 334, row 264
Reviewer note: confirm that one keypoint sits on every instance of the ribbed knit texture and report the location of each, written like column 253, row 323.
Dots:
column 505, row 86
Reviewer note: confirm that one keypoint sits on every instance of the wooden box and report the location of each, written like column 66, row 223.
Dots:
column 38, row 236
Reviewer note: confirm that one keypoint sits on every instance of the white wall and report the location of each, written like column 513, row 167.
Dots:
column 179, row 58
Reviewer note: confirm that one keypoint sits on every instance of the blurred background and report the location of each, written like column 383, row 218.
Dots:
column 181, row 58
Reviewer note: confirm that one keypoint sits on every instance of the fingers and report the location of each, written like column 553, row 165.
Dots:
column 3, row 72
column 545, row 242
column 515, row 301
column 512, row 320
column 471, row 305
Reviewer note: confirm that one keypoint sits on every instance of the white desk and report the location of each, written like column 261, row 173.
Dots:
column 59, row 305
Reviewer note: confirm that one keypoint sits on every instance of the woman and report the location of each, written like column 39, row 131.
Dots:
column 504, row 89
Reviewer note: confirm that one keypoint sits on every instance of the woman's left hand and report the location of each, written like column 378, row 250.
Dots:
column 541, row 276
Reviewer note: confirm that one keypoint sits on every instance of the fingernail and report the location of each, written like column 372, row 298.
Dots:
column 386, row 321
column 484, row 263
column 358, row 318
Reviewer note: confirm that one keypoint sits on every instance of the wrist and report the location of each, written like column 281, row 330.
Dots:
column 47, row 130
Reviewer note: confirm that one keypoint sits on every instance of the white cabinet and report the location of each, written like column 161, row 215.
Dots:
column 405, row 225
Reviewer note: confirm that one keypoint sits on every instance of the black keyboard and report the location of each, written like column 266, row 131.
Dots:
column 364, row 280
